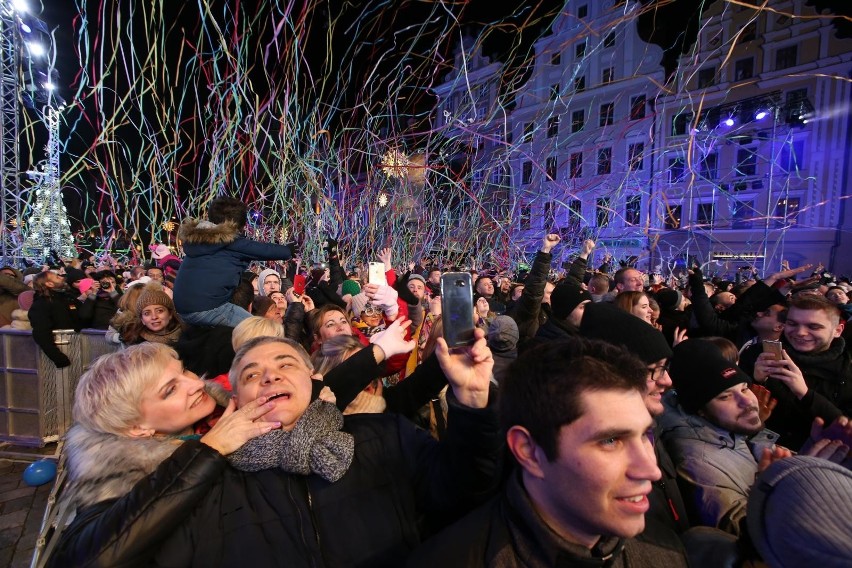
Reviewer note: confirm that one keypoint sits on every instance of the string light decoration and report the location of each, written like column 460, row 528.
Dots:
column 48, row 228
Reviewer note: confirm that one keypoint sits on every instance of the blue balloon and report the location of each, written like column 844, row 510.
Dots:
column 40, row 472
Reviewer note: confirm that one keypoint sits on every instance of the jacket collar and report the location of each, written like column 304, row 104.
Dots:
column 536, row 544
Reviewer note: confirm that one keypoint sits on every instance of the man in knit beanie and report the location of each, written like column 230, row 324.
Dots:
column 567, row 302
column 800, row 513
column 607, row 322
column 718, row 441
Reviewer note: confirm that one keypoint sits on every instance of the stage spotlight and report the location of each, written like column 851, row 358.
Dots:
column 26, row 29
column 21, row 6
column 728, row 121
column 761, row 114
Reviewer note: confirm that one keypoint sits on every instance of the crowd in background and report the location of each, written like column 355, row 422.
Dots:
column 747, row 382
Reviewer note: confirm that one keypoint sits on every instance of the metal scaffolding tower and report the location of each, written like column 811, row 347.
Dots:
column 9, row 129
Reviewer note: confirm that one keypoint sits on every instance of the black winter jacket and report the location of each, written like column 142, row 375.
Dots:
column 198, row 512
column 58, row 311
column 829, row 379
column 509, row 533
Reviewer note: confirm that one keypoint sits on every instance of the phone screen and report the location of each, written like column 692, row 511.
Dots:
column 457, row 308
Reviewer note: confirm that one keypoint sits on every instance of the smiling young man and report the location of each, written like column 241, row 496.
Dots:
column 814, row 379
column 577, row 427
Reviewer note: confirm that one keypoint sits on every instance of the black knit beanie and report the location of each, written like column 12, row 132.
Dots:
column 565, row 297
column 700, row 372
column 609, row 323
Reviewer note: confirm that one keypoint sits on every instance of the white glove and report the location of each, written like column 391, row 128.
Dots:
column 392, row 340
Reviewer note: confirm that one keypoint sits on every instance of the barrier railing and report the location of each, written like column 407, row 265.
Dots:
column 35, row 397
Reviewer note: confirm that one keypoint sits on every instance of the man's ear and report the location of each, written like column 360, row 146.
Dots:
column 526, row 451
column 140, row 432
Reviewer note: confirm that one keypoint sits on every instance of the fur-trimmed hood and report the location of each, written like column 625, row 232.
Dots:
column 200, row 232
column 105, row 466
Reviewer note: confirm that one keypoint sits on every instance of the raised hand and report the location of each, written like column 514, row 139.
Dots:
column 385, row 297
column 550, row 240
column 588, row 247
column 236, row 427
column 765, row 403
column 386, row 256
column 468, row 369
column 392, row 340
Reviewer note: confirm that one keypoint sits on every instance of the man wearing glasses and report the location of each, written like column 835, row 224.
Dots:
column 606, row 322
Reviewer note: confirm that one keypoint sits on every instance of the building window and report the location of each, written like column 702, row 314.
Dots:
column 607, row 111
column 582, row 11
column 742, row 214
column 579, row 83
column 554, row 91
column 580, row 50
column 637, row 107
column 705, row 213
column 746, row 162
column 706, row 77
column 673, row 215
column 604, row 161
column 787, row 211
column 575, row 213
column 749, row 33
column 547, row 217
column 786, row 57
column 792, row 158
column 526, row 172
column 576, row 165
column 578, row 120
column 709, row 166
column 552, row 126
column 636, row 156
column 526, row 216
column 477, row 178
column 608, row 75
column 677, row 170
column 680, row 123
column 609, row 40
column 529, row 127
column 604, row 211
column 556, row 58
column 744, row 69
column 633, row 210
column 550, row 167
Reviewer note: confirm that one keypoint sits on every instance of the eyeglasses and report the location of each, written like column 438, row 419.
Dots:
column 370, row 310
column 656, row 373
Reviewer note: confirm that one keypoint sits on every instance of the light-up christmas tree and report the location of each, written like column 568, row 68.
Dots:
column 47, row 227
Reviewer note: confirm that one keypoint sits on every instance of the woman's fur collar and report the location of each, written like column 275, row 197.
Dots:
column 199, row 232
column 105, row 466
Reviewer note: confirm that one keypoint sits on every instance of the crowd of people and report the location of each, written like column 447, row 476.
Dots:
column 258, row 412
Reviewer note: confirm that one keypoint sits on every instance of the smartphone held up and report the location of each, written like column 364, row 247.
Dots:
column 774, row 347
column 376, row 274
column 457, row 308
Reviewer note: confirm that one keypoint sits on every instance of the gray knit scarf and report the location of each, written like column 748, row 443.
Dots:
column 315, row 445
